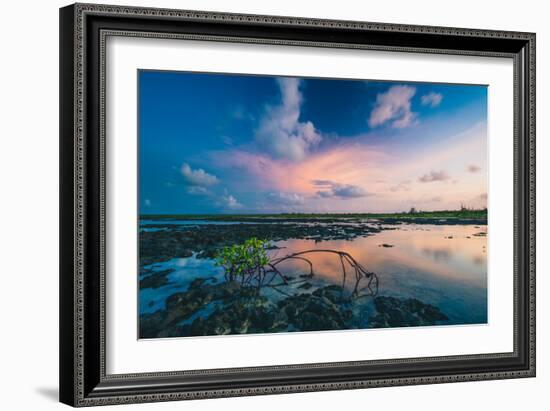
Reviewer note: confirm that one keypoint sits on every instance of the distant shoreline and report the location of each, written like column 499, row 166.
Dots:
column 456, row 216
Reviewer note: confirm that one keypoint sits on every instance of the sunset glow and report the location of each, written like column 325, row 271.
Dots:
column 213, row 143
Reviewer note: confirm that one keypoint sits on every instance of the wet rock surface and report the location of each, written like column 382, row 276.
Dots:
column 155, row 279
column 181, row 305
column 321, row 310
column 395, row 312
column 229, row 308
column 215, row 307
column 254, row 314
column 205, row 240
column 162, row 240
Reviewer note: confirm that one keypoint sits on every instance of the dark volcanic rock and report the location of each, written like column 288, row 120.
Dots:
column 229, row 308
column 181, row 305
column 317, row 311
column 149, row 324
column 242, row 310
column 156, row 279
column 206, row 240
column 333, row 292
column 244, row 316
column 394, row 312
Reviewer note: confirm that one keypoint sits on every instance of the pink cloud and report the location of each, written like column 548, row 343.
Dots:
column 434, row 176
column 389, row 178
column 348, row 165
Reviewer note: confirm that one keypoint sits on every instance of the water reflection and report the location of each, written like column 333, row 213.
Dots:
column 443, row 265
column 438, row 254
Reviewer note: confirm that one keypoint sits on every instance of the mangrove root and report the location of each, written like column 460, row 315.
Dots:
column 366, row 282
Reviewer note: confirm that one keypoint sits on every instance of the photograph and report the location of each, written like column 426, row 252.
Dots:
column 279, row 204
column 283, row 200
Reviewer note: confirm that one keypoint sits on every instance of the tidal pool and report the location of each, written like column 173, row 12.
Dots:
column 444, row 266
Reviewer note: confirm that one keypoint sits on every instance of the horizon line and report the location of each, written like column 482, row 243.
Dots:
column 327, row 213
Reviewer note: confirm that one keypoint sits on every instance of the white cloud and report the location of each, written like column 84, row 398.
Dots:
column 472, row 168
column 228, row 201
column 395, row 106
column 198, row 177
column 431, row 99
column 434, row 176
column 280, row 130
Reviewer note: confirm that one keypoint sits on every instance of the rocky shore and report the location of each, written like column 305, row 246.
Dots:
column 173, row 241
column 209, row 308
column 213, row 306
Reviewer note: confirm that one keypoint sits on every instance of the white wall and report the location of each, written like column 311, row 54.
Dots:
column 29, row 205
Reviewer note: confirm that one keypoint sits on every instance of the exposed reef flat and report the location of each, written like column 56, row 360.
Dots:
column 228, row 308
column 171, row 241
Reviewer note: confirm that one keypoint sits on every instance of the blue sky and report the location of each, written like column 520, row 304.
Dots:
column 219, row 143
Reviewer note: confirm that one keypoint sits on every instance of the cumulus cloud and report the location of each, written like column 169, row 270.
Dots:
column 280, row 131
column 394, row 106
column 434, row 176
column 431, row 99
column 198, row 177
column 334, row 189
column 472, row 168
column 229, row 201
column 286, row 198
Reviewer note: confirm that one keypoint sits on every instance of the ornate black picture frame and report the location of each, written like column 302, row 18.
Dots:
column 83, row 30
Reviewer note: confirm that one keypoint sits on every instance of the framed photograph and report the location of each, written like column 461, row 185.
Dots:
column 260, row 204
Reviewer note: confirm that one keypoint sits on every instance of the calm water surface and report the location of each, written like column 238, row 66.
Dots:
column 442, row 265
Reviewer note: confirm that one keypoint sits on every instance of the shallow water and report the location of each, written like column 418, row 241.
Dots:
column 424, row 262
column 442, row 265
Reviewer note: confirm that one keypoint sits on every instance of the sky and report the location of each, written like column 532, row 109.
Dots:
column 229, row 143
